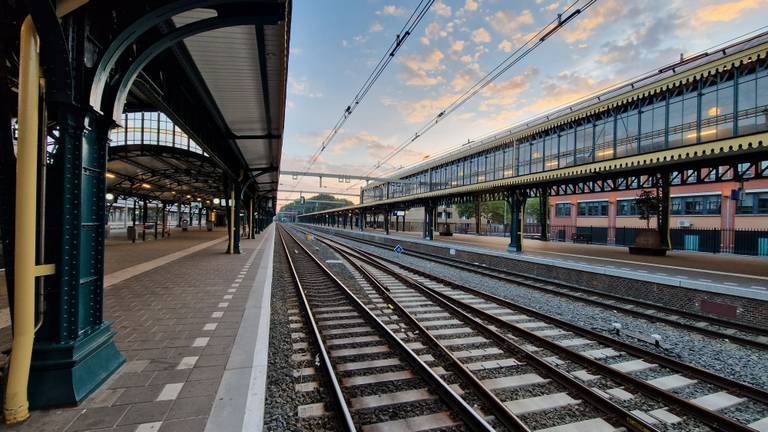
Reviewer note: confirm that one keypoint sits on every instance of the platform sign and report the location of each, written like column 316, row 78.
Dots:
column 398, row 249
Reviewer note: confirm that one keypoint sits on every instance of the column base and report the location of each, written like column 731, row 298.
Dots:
column 65, row 374
column 514, row 249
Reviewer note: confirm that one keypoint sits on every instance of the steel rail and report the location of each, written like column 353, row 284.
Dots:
column 520, row 279
column 625, row 417
column 712, row 418
column 501, row 411
column 338, row 396
column 472, row 419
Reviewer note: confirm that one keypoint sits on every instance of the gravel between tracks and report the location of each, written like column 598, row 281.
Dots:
column 734, row 361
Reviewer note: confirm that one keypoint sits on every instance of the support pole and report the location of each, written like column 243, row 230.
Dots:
column 163, row 219
column 144, row 219
column 133, row 221
column 664, row 211
column 231, row 205
column 544, row 214
column 251, row 231
column 477, row 216
column 16, row 402
column 516, row 201
column 387, row 212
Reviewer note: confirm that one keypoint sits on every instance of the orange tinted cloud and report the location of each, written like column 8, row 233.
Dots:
column 729, row 11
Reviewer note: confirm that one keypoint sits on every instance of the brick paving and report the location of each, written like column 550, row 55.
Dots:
column 175, row 325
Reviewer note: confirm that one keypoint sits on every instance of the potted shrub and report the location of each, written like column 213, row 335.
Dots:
column 648, row 241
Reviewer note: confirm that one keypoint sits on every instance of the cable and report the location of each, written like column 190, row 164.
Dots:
column 408, row 28
column 514, row 58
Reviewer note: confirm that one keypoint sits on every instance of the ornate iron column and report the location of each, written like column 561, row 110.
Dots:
column 516, row 200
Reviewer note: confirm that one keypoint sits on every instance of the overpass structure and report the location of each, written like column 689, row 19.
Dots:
column 701, row 120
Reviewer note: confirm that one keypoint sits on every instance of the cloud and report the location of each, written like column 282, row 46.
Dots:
column 391, row 10
column 300, row 87
column 457, row 46
column 507, row 93
column 471, row 5
column 375, row 27
column 506, row 46
column 418, row 111
column 551, row 6
column 466, row 76
column 481, row 36
column 442, row 9
column 728, row 11
column 564, row 88
column 507, row 23
column 466, row 59
column 420, row 71
column 584, row 26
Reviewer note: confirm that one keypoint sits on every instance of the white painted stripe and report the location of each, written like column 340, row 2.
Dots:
column 232, row 290
column 170, row 391
column 187, row 362
column 138, row 269
column 149, row 427
column 210, row 326
column 227, row 297
column 223, row 304
column 217, row 314
column 200, row 342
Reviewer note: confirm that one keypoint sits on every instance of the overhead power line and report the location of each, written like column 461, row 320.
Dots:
column 560, row 21
column 408, row 28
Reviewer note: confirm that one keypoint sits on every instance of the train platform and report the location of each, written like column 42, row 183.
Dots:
column 188, row 320
column 736, row 275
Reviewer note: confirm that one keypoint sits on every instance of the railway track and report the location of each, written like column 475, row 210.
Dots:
column 376, row 380
column 738, row 333
column 655, row 390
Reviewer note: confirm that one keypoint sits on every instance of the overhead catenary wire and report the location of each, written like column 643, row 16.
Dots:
column 559, row 22
column 407, row 30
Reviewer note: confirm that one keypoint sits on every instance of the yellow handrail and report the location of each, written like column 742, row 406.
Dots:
column 16, row 404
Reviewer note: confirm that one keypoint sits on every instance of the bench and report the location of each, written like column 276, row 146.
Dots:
column 581, row 237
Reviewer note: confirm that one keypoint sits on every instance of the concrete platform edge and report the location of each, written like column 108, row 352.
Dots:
column 239, row 403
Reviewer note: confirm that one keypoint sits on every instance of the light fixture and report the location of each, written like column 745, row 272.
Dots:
column 173, row 192
column 216, row 201
column 110, row 197
column 110, row 175
column 189, row 196
column 146, row 186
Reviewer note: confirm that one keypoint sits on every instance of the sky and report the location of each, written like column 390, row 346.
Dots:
column 335, row 44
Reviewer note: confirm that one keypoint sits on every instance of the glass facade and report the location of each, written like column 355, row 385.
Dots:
column 563, row 209
column 702, row 205
column 151, row 128
column 731, row 103
column 593, row 208
column 753, row 203
column 626, row 208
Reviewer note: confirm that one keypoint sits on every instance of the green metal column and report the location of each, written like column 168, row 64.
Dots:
column 544, row 213
column 516, row 201
column 74, row 350
column 238, row 205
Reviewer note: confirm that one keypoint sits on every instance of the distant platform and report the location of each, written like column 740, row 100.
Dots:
column 737, row 275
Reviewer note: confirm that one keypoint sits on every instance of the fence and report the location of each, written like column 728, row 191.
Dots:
column 711, row 240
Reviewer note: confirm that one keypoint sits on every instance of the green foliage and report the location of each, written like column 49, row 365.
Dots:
column 493, row 210
column 533, row 208
column 316, row 203
column 648, row 205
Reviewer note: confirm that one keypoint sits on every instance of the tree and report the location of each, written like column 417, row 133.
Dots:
column 316, row 203
column 533, row 209
column 648, row 205
column 489, row 210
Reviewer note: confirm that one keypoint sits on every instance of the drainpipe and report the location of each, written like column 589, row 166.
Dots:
column 16, row 403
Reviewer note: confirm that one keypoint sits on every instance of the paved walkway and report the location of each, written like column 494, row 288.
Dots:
column 733, row 274
column 179, row 327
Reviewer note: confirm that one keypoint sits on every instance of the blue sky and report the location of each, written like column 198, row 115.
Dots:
column 336, row 43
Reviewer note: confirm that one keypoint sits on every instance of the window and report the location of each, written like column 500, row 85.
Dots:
column 567, row 138
column 683, row 111
column 716, row 111
column 523, row 158
column 696, row 205
column 604, row 138
column 550, row 152
column 626, row 208
column 537, row 155
column 626, row 133
column 584, row 148
column 563, row 209
column 753, row 98
column 753, row 203
column 653, row 125
column 593, row 208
